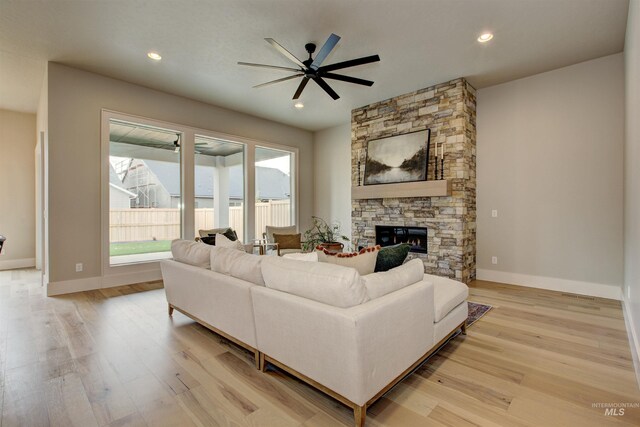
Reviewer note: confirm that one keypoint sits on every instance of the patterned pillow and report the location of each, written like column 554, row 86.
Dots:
column 229, row 233
column 363, row 261
column 392, row 256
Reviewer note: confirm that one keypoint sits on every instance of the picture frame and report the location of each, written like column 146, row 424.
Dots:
column 397, row 159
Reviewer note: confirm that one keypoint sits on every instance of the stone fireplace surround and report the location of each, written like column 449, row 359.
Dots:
column 449, row 111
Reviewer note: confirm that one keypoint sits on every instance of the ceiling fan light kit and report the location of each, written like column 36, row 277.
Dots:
column 312, row 68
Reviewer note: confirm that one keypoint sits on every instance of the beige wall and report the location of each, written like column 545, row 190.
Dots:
column 17, row 188
column 632, row 170
column 332, row 163
column 550, row 155
column 75, row 101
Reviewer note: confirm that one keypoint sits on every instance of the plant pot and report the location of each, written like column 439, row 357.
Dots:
column 332, row 246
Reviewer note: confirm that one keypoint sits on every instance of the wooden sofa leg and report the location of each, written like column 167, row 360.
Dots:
column 359, row 414
column 463, row 328
column 170, row 310
column 257, row 356
column 262, row 364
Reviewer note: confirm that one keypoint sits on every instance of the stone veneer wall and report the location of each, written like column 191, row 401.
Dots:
column 449, row 110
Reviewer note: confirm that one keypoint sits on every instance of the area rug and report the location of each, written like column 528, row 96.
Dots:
column 476, row 311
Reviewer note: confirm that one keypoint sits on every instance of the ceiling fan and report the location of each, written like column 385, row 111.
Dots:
column 312, row 69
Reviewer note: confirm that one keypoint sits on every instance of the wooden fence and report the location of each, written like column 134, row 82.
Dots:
column 130, row 225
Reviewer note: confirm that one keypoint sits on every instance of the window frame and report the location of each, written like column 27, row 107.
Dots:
column 187, row 171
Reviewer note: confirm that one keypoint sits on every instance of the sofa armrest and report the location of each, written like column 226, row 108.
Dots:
column 353, row 351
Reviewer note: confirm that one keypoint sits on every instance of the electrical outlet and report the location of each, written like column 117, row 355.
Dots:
column 494, row 213
column 494, row 260
column 79, row 267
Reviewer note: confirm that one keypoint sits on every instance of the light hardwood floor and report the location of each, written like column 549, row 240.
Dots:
column 113, row 357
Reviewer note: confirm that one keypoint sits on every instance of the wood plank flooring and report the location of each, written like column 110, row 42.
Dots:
column 114, row 358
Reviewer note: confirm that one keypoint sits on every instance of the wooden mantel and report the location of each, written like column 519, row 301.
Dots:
column 406, row 189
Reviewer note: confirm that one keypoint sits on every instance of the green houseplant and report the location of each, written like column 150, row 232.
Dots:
column 323, row 234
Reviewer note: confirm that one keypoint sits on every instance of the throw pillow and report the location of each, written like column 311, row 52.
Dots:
column 229, row 233
column 363, row 261
column 224, row 242
column 212, row 231
column 190, row 252
column 309, row 256
column 379, row 284
column 287, row 241
column 392, row 256
column 209, row 240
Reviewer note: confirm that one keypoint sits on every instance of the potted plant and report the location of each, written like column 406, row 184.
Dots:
column 325, row 235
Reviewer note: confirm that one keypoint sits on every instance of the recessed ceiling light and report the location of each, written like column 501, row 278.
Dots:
column 485, row 37
column 155, row 56
column 299, row 105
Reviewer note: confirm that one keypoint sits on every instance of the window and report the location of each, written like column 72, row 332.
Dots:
column 219, row 184
column 162, row 181
column 144, row 192
column 273, row 189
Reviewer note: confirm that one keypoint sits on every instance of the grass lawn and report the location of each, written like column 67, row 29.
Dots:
column 130, row 248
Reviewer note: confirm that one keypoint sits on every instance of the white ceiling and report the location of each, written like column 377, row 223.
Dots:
column 420, row 42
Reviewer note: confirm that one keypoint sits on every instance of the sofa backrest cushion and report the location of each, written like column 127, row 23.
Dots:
column 385, row 282
column 323, row 282
column 363, row 261
column 193, row 253
column 238, row 264
column 302, row 256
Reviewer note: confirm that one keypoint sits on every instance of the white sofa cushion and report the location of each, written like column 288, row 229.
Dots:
column 363, row 261
column 384, row 282
column 224, row 242
column 447, row 294
column 238, row 264
column 300, row 256
column 193, row 253
column 327, row 283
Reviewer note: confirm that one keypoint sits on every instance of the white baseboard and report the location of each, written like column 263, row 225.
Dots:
column 71, row 286
column 634, row 342
column 562, row 285
column 101, row 282
column 12, row 264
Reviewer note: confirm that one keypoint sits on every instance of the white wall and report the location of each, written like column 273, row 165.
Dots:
column 632, row 174
column 17, row 188
column 332, row 183
column 75, row 101
column 549, row 159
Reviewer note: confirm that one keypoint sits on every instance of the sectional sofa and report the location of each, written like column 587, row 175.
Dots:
column 353, row 337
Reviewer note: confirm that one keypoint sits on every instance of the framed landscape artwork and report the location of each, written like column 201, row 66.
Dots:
column 401, row 158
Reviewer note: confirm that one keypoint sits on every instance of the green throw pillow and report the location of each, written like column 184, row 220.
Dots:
column 392, row 256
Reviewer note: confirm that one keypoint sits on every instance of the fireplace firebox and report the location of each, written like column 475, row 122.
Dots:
column 387, row 235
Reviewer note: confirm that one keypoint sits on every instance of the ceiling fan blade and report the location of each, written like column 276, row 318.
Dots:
column 285, row 52
column 326, row 87
column 350, row 63
column 279, row 80
column 301, row 87
column 326, row 49
column 347, row 79
column 275, row 67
